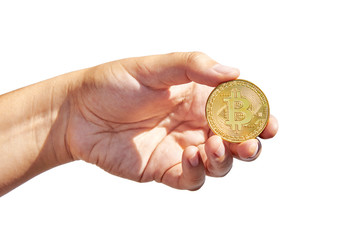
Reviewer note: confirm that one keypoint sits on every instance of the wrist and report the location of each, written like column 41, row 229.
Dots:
column 56, row 150
column 44, row 111
column 33, row 129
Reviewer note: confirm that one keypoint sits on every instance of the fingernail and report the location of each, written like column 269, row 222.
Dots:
column 221, row 151
column 222, row 69
column 255, row 147
column 194, row 161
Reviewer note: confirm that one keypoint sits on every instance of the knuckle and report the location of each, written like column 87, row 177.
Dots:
column 188, row 57
column 193, row 57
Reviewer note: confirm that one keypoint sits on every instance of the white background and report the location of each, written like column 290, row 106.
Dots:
column 304, row 55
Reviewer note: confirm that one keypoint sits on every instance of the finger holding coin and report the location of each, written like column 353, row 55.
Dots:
column 216, row 157
column 270, row 129
column 238, row 111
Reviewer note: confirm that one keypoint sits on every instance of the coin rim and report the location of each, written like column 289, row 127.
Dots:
column 239, row 80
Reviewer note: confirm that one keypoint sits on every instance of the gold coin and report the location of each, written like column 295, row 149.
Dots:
column 237, row 110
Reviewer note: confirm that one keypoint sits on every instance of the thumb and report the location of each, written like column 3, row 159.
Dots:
column 163, row 71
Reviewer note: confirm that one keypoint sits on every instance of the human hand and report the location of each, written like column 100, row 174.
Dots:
column 144, row 119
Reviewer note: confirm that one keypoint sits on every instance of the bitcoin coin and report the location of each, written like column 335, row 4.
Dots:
column 237, row 110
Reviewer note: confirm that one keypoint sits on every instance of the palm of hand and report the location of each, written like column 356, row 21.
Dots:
column 141, row 139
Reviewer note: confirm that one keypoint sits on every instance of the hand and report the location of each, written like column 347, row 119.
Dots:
column 143, row 119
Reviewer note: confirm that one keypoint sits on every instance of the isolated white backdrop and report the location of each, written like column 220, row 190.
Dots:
column 305, row 56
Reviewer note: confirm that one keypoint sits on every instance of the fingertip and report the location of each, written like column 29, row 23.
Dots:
column 202, row 69
column 219, row 160
column 191, row 155
column 248, row 150
column 226, row 72
column 214, row 145
column 271, row 128
column 193, row 172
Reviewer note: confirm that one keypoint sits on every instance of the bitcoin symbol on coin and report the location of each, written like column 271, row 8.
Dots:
column 238, row 108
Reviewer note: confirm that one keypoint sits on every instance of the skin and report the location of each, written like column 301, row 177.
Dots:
column 139, row 118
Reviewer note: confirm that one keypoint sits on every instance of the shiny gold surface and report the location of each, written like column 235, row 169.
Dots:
column 237, row 110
